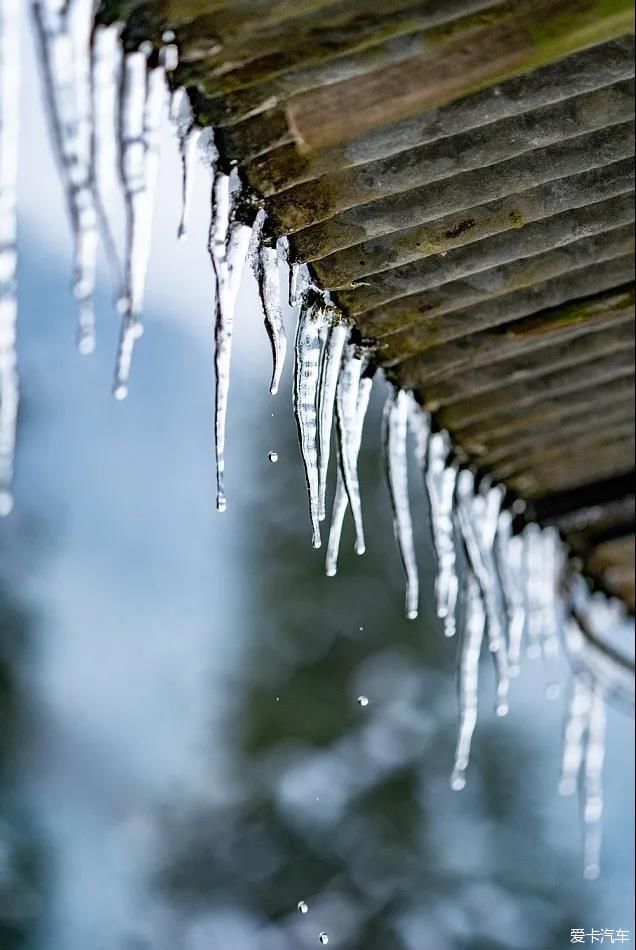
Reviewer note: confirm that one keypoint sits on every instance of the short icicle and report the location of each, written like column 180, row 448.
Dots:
column 593, row 784
column 471, row 638
column 264, row 260
column 478, row 515
column 440, row 482
column 187, row 138
column 141, row 106
column 509, row 556
column 346, row 404
column 10, row 14
column 394, row 434
column 341, row 501
column 329, row 371
column 306, row 377
column 66, row 76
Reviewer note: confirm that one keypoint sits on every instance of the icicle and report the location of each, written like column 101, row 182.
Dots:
column 141, row 106
column 478, row 517
column 394, row 431
column 264, row 262
column 593, row 784
column 10, row 12
column 542, row 567
column 509, row 551
column 306, row 377
column 471, row 637
column 227, row 244
column 104, row 69
column 67, row 89
column 440, row 482
column 579, row 705
column 346, row 404
column 188, row 140
column 340, row 500
column 329, row 372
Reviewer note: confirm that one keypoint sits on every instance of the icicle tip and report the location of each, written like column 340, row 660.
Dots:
column 120, row 391
column 457, row 781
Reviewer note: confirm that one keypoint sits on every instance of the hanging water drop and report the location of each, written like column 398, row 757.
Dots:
column 306, row 376
column 346, row 418
column 394, row 430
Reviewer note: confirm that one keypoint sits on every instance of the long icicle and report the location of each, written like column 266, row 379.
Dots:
column 509, row 555
column 593, row 784
column 440, row 481
column 330, row 369
column 228, row 242
column 477, row 516
column 341, row 501
column 394, row 433
column 142, row 101
column 346, row 403
column 264, row 260
column 471, row 638
column 10, row 13
column 306, row 378
column 67, row 89
column 550, row 576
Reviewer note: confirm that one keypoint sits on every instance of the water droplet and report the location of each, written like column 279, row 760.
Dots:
column 303, row 907
column 360, row 629
column 272, row 456
column 323, row 936
column 457, row 782
column 552, row 691
column 168, row 36
column 363, row 700
column 502, row 709
column 120, row 392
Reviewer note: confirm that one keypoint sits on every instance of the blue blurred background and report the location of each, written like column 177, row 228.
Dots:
column 183, row 757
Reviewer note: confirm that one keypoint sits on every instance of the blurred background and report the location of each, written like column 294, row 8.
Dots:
column 183, row 759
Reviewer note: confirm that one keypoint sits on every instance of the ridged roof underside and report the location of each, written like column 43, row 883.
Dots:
column 460, row 175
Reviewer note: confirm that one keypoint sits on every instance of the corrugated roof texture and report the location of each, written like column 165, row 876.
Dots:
column 460, row 175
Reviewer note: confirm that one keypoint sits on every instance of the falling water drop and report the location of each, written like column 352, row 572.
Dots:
column 272, row 456
column 323, row 937
column 303, row 907
column 363, row 700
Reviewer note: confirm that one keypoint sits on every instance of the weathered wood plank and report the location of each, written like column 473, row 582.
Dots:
column 533, row 330
column 460, row 61
column 468, row 190
column 405, row 287
column 283, row 167
column 562, row 382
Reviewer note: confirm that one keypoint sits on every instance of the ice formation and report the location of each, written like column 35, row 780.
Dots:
column 395, row 425
column 106, row 109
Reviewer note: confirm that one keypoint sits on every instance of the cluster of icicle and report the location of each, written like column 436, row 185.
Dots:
column 106, row 108
column 512, row 584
